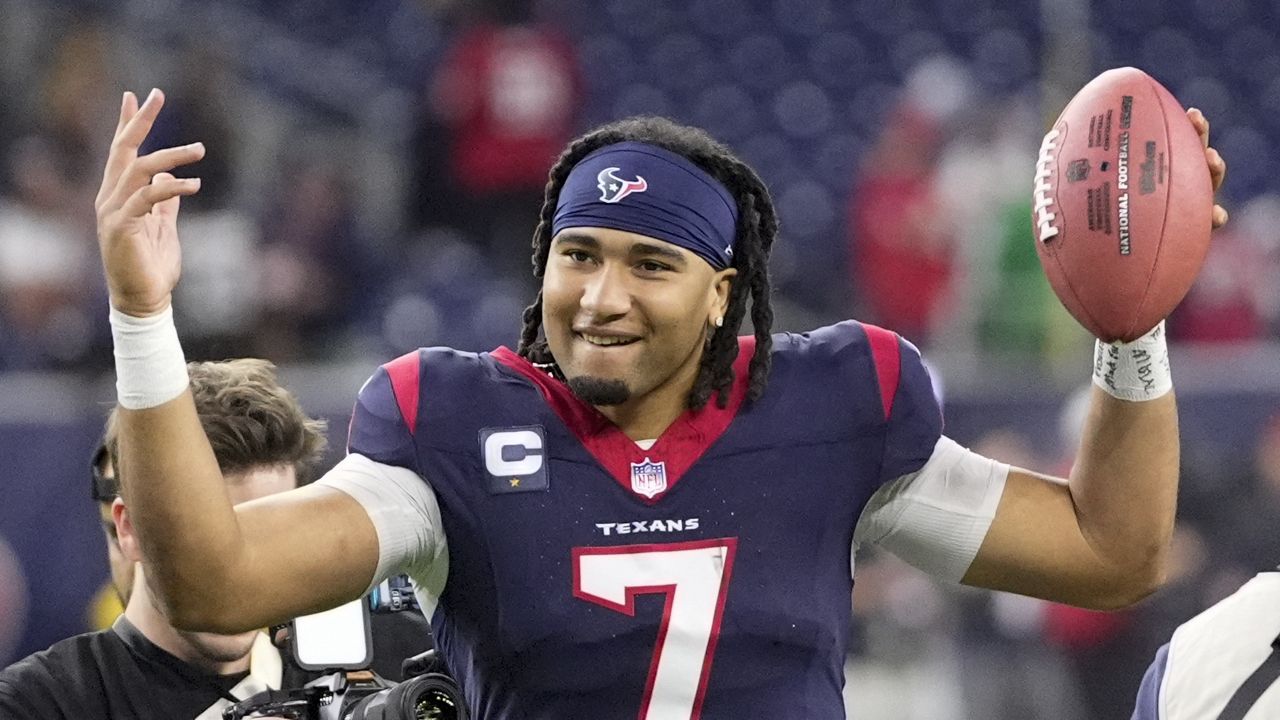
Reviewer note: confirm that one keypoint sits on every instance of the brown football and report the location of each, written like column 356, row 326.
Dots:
column 1122, row 206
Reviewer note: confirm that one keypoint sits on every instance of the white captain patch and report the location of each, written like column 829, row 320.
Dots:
column 649, row 478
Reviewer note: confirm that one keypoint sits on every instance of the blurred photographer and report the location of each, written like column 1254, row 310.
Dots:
column 142, row 666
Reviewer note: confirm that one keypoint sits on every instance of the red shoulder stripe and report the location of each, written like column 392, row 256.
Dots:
column 885, row 354
column 405, row 373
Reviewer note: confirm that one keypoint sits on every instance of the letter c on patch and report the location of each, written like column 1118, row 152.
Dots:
column 513, row 452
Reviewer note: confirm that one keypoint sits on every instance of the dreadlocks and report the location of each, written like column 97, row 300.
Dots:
column 757, row 228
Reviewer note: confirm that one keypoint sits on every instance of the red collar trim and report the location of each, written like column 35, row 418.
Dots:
column 679, row 446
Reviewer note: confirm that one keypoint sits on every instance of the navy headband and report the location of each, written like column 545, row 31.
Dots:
column 648, row 190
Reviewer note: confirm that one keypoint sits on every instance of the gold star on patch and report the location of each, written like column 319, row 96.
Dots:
column 515, row 482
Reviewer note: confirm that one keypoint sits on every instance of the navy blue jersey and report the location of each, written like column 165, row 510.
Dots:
column 708, row 576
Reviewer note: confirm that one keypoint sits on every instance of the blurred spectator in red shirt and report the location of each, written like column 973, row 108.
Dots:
column 901, row 244
column 903, row 231
column 502, row 104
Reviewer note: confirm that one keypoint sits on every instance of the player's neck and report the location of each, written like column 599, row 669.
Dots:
column 144, row 613
column 640, row 420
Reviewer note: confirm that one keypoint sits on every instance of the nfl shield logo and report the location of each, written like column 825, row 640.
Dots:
column 648, row 478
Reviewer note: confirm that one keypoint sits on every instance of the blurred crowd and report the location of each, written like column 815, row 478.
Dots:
column 373, row 177
column 281, row 256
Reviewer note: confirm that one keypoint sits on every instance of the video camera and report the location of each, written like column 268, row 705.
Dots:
column 337, row 642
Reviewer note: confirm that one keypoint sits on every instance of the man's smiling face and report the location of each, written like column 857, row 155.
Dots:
column 626, row 314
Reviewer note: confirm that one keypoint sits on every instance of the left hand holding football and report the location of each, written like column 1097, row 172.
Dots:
column 1217, row 166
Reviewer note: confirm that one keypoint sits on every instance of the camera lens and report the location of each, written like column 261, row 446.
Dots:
column 434, row 704
column 426, row 697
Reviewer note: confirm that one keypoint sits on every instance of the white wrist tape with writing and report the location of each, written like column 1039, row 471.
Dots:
column 151, row 369
column 1137, row 370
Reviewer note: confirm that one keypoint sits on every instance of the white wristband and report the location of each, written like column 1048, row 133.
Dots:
column 151, row 369
column 1135, row 371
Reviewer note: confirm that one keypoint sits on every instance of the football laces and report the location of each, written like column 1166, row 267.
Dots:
column 1043, row 189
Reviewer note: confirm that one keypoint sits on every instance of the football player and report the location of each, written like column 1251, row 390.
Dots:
column 637, row 513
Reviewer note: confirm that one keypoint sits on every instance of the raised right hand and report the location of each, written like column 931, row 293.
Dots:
column 137, row 209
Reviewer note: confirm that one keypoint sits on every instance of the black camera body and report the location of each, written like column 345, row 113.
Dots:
column 349, row 690
column 429, row 695
column 363, row 695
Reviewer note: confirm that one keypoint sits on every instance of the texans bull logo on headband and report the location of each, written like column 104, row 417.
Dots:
column 614, row 188
column 683, row 204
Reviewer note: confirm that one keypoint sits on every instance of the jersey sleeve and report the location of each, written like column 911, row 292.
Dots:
column 912, row 414
column 936, row 518
column 406, row 516
column 386, row 413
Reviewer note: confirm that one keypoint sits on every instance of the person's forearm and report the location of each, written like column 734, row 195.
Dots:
column 171, row 483
column 1097, row 539
column 1124, row 484
column 178, row 503
column 224, row 569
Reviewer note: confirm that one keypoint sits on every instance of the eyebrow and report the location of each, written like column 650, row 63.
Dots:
column 660, row 250
column 638, row 248
column 578, row 238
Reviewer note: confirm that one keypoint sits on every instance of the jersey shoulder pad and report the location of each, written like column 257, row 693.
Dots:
column 848, row 350
column 385, row 416
column 403, row 402
column 879, row 375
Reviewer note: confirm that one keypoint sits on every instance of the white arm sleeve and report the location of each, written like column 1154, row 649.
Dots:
column 406, row 515
column 937, row 517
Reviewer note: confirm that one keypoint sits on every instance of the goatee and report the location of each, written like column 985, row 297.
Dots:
column 599, row 391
